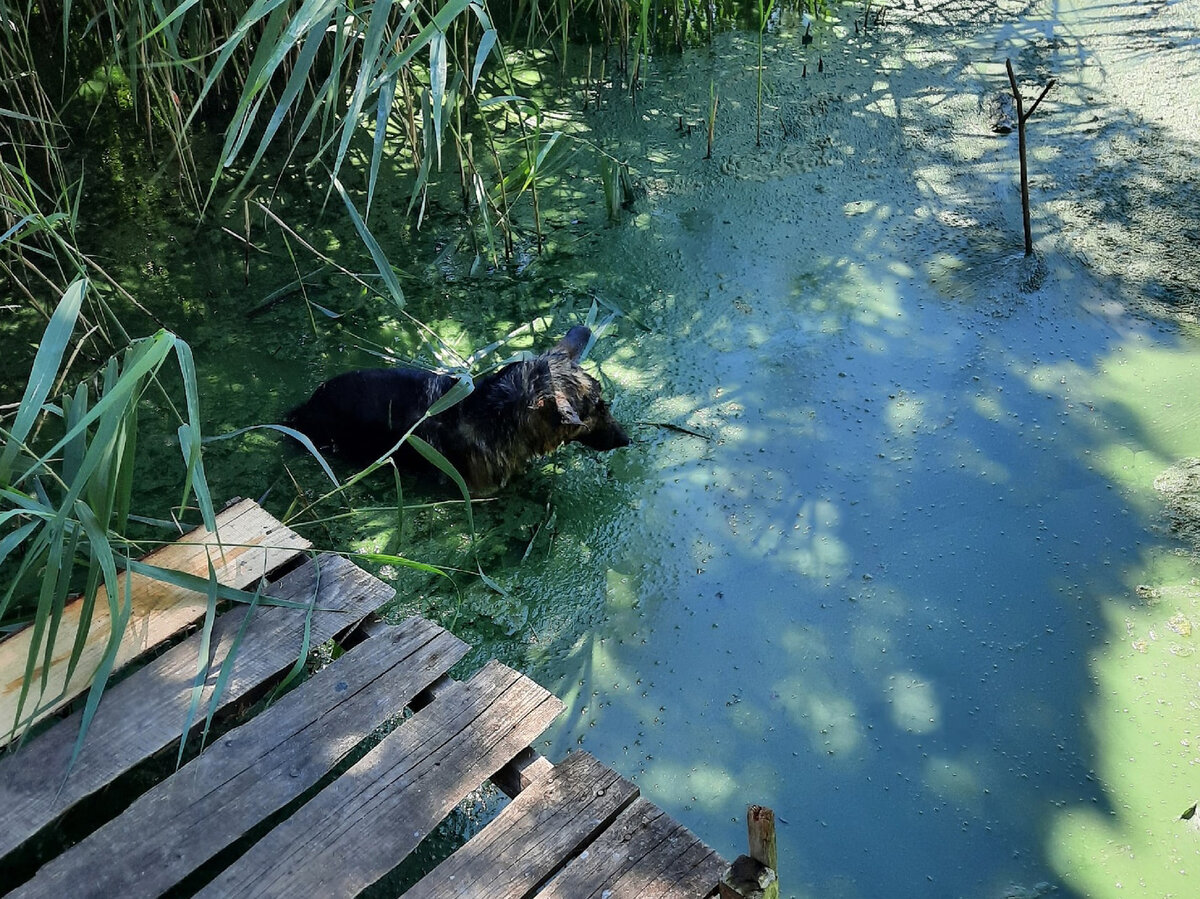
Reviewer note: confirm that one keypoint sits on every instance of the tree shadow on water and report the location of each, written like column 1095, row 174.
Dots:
column 875, row 596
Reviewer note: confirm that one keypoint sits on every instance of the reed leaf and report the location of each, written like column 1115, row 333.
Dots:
column 442, row 464
column 119, row 618
column 227, row 663
column 372, row 44
column 194, row 582
column 487, row 42
column 144, row 359
column 462, row 388
column 305, row 642
column 437, row 86
column 74, row 408
column 302, row 439
column 397, row 538
column 258, row 11
column 203, row 660
column 63, row 514
column 45, row 370
column 393, row 559
column 439, row 24
column 377, row 255
column 383, row 111
column 15, row 538
column 103, row 560
column 190, row 441
column 297, row 81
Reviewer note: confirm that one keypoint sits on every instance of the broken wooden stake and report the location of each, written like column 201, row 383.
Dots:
column 1022, row 116
column 754, row 876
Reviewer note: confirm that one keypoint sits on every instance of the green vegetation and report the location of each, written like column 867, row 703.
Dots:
column 205, row 116
column 65, row 508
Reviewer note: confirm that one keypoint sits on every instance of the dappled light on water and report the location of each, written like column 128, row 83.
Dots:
column 877, row 578
column 886, row 552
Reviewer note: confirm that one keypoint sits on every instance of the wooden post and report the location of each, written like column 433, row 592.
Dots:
column 754, row 876
column 760, row 826
column 1022, row 115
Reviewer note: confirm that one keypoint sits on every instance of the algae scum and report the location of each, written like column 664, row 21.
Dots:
column 887, row 554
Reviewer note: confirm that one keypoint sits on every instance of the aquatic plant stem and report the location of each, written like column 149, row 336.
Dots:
column 712, row 116
column 758, row 109
column 764, row 14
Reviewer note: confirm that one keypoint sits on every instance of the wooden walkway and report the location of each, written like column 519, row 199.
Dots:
column 287, row 803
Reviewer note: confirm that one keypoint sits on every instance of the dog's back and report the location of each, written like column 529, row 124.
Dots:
column 360, row 415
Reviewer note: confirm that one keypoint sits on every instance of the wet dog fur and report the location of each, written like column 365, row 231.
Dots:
column 514, row 415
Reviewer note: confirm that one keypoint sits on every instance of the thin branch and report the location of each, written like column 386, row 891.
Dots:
column 1045, row 90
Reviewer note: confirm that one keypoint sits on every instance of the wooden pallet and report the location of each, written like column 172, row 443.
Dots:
column 247, row 545
column 273, row 806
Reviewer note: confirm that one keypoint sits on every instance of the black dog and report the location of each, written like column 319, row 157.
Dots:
column 515, row 414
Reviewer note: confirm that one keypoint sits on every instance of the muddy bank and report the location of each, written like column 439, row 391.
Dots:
column 1179, row 487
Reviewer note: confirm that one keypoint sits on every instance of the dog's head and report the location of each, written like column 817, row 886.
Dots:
column 572, row 398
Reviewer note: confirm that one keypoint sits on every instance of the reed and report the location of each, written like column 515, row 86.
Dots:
column 764, row 17
column 66, row 486
column 712, row 116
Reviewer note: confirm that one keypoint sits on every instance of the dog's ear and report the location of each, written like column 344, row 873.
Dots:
column 573, row 343
column 566, row 412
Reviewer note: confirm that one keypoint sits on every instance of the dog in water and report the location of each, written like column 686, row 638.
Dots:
column 522, row 411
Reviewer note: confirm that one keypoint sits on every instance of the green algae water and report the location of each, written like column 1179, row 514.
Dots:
column 887, row 554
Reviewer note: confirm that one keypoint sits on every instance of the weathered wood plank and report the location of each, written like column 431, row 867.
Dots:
column 145, row 713
column 247, row 544
column 253, row 771
column 366, row 822
column 534, row 836
column 644, row 854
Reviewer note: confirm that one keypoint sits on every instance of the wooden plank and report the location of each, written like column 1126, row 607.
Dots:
column 645, row 854
column 247, row 544
column 145, row 713
column 253, row 771
column 535, row 835
column 364, row 823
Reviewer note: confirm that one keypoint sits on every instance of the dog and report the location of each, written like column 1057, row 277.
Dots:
column 515, row 414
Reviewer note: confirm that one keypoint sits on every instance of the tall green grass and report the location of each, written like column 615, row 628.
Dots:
column 66, row 487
